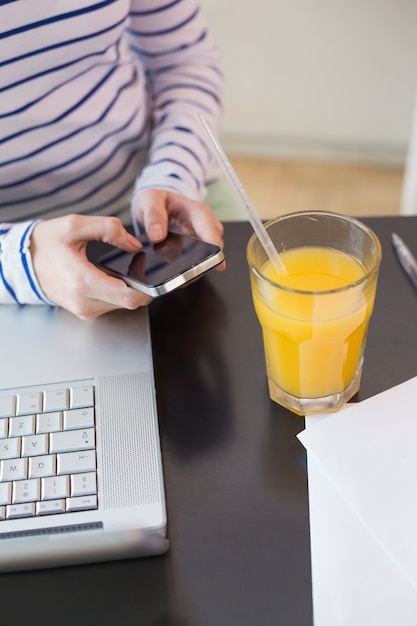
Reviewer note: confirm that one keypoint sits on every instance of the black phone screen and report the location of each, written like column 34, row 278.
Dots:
column 157, row 264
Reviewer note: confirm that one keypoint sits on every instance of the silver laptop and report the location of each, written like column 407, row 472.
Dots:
column 80, row 461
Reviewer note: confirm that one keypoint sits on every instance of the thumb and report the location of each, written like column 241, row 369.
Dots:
column 82, row 229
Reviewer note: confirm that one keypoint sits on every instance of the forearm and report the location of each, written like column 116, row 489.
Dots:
column 186, row 79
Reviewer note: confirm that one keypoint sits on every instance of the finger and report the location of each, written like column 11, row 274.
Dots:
column 112, row 290
column 211, row 230
column 205, row 225
column 221, row 267
column 152, row 213
column 80, row 229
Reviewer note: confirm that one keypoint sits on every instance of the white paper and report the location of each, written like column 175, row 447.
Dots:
column 355, row 583
column 368, row 452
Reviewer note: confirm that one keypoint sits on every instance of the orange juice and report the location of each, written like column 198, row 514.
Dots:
column 314, row 320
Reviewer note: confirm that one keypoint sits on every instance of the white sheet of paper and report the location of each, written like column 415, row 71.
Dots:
column 355, row 582
column 363, row 510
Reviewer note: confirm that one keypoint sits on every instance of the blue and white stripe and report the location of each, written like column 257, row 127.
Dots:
column 98, row 101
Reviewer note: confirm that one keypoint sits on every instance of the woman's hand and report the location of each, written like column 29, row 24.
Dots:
column 66, row 276
column 159, row 210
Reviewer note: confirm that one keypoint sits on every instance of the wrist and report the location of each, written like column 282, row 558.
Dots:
column 19, row 280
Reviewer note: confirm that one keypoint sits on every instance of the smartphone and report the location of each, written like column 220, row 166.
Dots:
column 158, row 269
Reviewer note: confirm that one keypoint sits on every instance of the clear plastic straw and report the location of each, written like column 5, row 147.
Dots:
column 251, row 214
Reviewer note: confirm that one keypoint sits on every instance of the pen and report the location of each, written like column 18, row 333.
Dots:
column 406, row 258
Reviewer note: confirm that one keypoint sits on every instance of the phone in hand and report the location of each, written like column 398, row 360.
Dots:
column 158, row 269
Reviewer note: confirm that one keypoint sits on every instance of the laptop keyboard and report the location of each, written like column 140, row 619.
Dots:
column 47, row 451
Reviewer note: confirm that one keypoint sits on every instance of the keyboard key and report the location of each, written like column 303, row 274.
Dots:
column 82, row 503
column 10, row 448
column 35, row 445
column 26, row 491
column 83, row 484
column 55, row 487
column 55, row 400
column 7, row 406
column 29, row 403
column 76, row 462
column 26, row 509
column 5, row 493
column 82, row 396
column 42, row 466
column 49, row 422
column 71, row 440
column 13, row 469
column 50, row 507
column 24, row 425
column 4, row 428
column 2, row 513
column 78, row 418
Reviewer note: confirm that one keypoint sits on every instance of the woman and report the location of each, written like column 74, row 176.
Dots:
column 99, row 126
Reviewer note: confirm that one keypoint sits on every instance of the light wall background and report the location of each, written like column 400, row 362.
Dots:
column 317, row 78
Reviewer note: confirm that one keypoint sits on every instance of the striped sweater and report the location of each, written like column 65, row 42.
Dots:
column 98, row 102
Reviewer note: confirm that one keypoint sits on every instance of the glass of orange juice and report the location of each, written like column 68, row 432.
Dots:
column 315, row 312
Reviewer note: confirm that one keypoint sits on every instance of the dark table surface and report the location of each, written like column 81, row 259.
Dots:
column 235, row 473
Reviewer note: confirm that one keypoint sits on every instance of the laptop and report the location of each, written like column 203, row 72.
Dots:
column 81, row 476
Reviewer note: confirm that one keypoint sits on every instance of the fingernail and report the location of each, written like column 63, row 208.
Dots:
column 155, row 232
column 135, row 242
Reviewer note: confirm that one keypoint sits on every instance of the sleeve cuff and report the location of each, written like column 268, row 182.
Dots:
column 18, row 282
